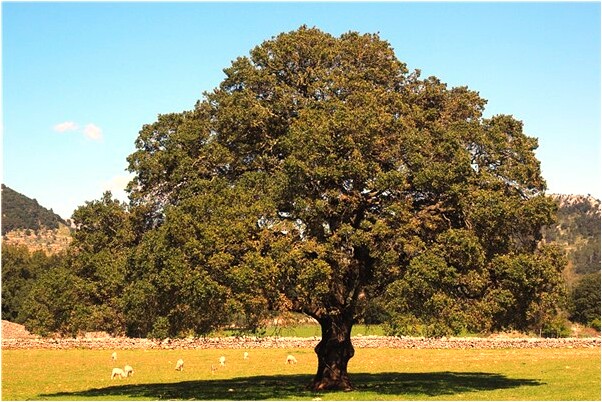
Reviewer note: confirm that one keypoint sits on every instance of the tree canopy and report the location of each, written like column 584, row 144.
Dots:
column 322, row 174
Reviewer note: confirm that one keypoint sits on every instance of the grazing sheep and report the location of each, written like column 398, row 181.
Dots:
column 117, row 372
column 222, row 361
column 128, row 370
column 245, row 356
column 290, row 359
column 180, row 365
column 114, row 356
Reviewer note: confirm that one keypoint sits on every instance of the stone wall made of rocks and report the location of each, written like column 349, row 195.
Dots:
column 295, row 343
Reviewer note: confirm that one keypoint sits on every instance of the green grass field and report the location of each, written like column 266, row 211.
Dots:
column 378, row 374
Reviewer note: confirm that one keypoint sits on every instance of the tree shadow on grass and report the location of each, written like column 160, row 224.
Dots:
column 436, row 384
column 280, row 387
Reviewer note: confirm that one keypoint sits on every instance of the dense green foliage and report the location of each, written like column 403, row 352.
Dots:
column 585, row 301
column 321, row 177
column 84, row 291
column 20, row 271
column 21, row 212
column 522, row 292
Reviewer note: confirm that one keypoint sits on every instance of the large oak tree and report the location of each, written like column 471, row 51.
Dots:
column 319, row 174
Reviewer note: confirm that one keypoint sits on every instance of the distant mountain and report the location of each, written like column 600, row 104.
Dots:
column 21, row 212
column 578, row 231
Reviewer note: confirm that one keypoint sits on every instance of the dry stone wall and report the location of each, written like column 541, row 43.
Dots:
column 14, row 336
column 294, row 343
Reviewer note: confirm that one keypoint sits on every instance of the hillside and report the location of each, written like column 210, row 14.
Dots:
column 26, row 222
column 578, row 231
column 50, row 241
column 21, row 212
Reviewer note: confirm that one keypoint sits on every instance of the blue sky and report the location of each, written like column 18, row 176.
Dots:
column 79, row 80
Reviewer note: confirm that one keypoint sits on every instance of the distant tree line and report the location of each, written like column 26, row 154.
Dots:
column 21, row 212
column 21, row 271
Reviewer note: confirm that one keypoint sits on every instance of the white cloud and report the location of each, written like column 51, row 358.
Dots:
column 93, row 132
column 116, row 185
column 65, row 126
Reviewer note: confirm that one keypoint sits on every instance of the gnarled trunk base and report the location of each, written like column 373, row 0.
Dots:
column 334, row 352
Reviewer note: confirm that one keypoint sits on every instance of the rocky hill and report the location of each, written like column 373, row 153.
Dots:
column 578, row 231
column 586, row 202
column 26, row 222
column 22, row 212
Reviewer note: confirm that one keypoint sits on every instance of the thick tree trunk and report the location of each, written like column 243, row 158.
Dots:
column 334, row 351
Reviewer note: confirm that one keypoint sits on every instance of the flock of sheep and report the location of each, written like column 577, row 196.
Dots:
column 128, row 371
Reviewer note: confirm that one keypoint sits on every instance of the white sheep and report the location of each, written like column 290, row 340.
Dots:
column 222, row 361
column 128, row 370
column 180, row 365
column 114, row 356
column 117, row 372
column 290, row 359
column 245, row 356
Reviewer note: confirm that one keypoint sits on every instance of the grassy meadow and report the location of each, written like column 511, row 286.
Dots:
column 378, row 374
